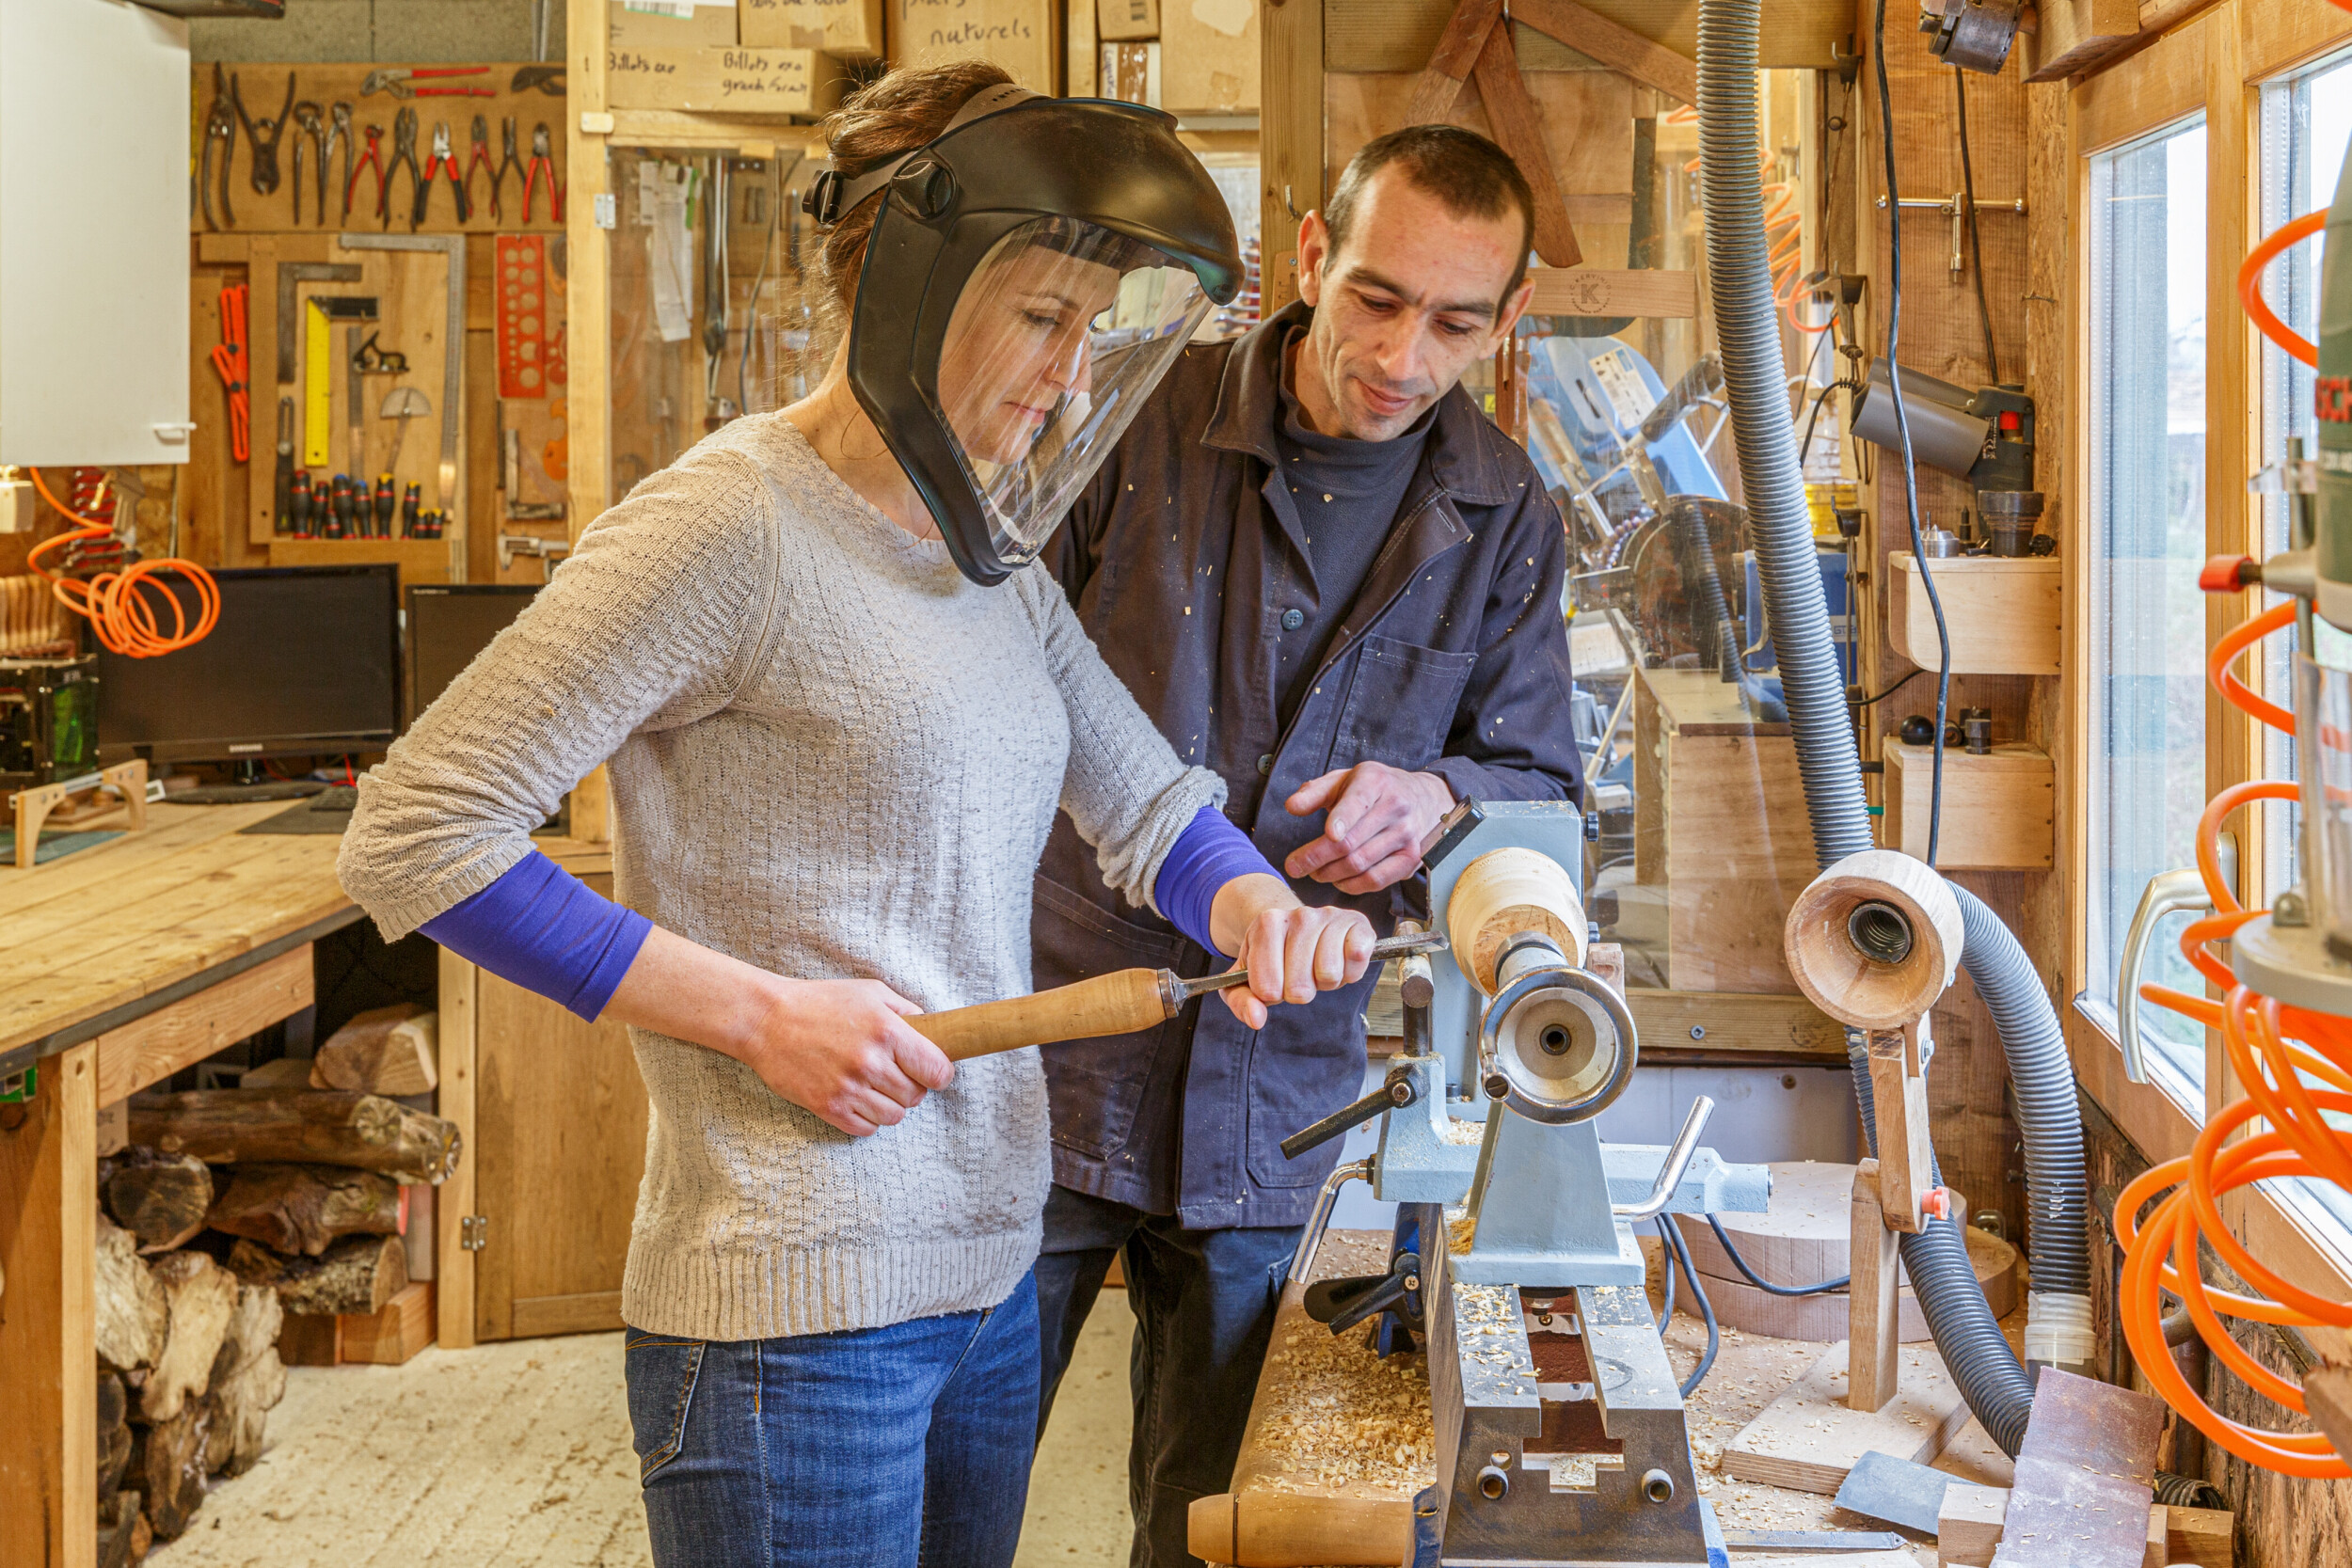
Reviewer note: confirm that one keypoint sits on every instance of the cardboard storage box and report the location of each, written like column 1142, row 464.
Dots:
column 1209, row 57
column 710, row 27
column 1023, row 36
column 736, row 80
column 1127, row 21
column 850, row 28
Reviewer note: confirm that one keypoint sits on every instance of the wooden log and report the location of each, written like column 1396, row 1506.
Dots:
column 302, row 1209
column 132, row 1313
column 390, row 1050
column 169, row 1466
column 123, row 1533
column 253, row 1329
column 359, row 1274
column 287, row 1072
column 226, row 1127
column 114, row 1432
column 159, row 1197
column 241, row 1406
column 203, row 1298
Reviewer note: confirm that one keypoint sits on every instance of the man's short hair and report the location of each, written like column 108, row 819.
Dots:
column 1474, row 177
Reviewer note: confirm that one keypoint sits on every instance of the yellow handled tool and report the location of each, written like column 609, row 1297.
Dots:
column 1115, row 1004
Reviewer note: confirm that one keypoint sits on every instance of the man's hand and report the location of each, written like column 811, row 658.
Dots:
column 1292, row 952
column 1376, row 820
column 836, row 1048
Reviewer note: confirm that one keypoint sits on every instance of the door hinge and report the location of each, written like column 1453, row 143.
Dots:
column 606, row 209
column 474, row 1232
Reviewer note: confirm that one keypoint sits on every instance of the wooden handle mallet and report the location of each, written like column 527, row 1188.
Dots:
column 1115, row 1004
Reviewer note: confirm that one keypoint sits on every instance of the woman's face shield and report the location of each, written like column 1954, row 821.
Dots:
column 1053, row 345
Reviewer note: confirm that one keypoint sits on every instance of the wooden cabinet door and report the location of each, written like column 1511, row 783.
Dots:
column 559, row 1144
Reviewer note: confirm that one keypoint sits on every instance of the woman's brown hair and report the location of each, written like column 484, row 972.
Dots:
column 895, row 114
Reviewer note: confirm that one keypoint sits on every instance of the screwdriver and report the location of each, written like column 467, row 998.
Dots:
column 385, row 502
column 408, row 513
column 1120, row 1002
column 298, row 502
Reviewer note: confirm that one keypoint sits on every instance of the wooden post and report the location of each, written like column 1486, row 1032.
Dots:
column 1899, row 1099
column 48, row 1345
column 588, row 310
column 1291, row 129
column 1872, row 1326
column 453, row 1264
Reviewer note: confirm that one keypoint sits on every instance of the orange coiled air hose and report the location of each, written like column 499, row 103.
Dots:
column 122, row 615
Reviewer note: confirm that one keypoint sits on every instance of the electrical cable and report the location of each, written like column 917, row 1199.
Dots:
column 115, row 602
column 1870, row 702
column 1976, row 239
column 1666, row 1271
column 1759, row 1282
column 1678, row 1251
column 1902, row 426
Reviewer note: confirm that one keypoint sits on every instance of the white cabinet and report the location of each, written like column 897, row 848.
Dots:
column 94, row 190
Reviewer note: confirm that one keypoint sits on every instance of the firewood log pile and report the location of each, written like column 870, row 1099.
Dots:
column 229, row 1210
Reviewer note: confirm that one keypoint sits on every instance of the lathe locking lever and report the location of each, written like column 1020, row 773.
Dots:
column 1394, row 1094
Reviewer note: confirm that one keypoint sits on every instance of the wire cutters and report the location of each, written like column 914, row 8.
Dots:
column 395, row 81
column 310, row 125
column 220, row 126
column 403, row 151
column 539, row 161
column 372, row 159
column 264, row 147
column 442, row 162
column 338, row 133
column 480, row 158
column 230, row 360
column 497, row 182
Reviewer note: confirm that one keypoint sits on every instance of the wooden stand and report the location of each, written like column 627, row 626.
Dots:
column 1871, row 1338
column 33, row 806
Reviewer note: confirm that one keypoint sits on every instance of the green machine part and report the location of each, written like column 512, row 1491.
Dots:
column 48, row 720
column 17, row 1088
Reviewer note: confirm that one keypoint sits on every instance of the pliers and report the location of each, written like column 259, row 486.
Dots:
column 403, row 151
column 264, row 147
column 497, row 180
column 395, row 81
column 373, row 158
column 221, row 125
column 540, row 161
column 479, row 158
column 440, row 163
column 309, row 124
column 338, row 132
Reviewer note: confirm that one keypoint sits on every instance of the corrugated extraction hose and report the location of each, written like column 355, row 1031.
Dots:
column 1748, row 329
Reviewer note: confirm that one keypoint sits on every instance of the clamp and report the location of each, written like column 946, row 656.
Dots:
column 541, row 78
column 497, row 180
column 264, row 147
column 403, row 151
column 396, row 81
column 372, row 159
column 442, row 162
column 311, row 124
column 479, row 158
column 221, row 125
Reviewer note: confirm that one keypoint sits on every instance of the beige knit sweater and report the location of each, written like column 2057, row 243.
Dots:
column 832, row 757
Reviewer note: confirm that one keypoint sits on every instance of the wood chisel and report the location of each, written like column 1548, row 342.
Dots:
column 1115, row 1004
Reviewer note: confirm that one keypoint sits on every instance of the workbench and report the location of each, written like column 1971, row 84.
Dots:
column 119, row 965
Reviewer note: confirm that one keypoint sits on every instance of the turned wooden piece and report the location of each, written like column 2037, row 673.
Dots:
column 1848, row 983
column 1115, row 1004
column 1503, row 892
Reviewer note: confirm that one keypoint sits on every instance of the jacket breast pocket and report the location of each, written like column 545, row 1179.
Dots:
column 1400, row 705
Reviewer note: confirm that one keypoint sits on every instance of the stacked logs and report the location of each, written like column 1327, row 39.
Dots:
column 231, row 1209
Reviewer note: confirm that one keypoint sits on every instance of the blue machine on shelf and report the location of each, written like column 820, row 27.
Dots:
column 1515, row 1255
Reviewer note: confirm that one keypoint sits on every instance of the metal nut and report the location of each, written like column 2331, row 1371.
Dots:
column 1658, row 1486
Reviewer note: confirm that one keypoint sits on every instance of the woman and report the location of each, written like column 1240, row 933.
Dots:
column 835, row 759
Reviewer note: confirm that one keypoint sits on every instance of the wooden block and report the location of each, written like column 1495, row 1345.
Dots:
column 149, row 1050
column 1898, row 1096
column 1736, row 1020
column 1870, row 1366
column 1808, row 1439
column 1285, row 1530
column 1999, row 810
column 2204, row 1536
column 2002, row 615
column 1969, row 1526
column 1127, row 21
column 1209, row 57
column 851, row 29
column 2075, row 35
column 724, row 81
column 391, row 1337
column 1023, row 36
column 386, row 1050
column 311, row 1339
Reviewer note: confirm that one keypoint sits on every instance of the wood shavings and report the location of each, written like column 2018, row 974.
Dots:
column 1345, row 1420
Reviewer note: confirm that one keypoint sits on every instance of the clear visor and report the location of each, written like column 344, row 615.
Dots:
column 1058, row 335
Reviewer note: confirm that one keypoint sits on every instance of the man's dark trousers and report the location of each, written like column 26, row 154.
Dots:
column 1192, row 1290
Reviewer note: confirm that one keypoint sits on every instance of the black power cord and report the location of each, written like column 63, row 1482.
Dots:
column 1741, row 1264
column 1902, row 426
column 1976, row 239
column 1868, row 702
column 1679, row 1252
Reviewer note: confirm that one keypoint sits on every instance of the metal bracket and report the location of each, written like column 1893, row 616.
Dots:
column 474, row 1232
column 513, row 544
column 1955, row 207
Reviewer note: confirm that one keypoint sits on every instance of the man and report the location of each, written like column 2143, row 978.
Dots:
column 1325, row 575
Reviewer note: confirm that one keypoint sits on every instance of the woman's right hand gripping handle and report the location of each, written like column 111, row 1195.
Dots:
column 838, row 1049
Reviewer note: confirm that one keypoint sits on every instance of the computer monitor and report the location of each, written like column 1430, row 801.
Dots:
column 448, row 624
column 305, row 660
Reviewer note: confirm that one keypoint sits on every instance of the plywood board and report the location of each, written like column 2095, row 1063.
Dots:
column 152, row 1048
column 1808, row 1439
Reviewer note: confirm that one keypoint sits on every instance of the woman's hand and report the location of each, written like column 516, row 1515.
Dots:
column 838, row 1049
column 1291, row 951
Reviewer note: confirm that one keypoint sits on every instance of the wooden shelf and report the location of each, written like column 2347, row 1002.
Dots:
column 2002, row 613
column 1999, row 810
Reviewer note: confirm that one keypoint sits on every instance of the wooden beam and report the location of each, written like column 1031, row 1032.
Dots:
column 1898, row 1093
column 1615, row 45
column 1605, row 291
column 1290, row 123
column 1457, row 53
column 149, row 1050
column 48, row 1344
column 2075, row 35
column 1512, row 113
column 1872, row 1326
column 453, row 1199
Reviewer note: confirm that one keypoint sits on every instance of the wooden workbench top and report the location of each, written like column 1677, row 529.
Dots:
column 94, row 932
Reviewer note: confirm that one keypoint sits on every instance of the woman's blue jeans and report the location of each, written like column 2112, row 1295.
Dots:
column 901, row 1447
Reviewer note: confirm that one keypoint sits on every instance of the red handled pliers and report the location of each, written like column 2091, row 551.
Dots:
column 372, row 159
column 441, row 162
column 395, row 81
column 540, row 163
column 480, row 159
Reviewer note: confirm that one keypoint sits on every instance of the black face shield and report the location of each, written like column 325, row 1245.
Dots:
column 1032, row 274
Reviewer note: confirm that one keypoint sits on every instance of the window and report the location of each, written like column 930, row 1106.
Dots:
column 2147, row 534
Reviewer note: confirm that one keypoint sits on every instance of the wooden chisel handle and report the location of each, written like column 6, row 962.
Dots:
column 1115, row 1004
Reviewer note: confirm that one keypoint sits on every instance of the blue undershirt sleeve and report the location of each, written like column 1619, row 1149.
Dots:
column 1209, row 853
column 547, row 931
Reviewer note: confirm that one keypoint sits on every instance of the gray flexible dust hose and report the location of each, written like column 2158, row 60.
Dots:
column 1748, row 329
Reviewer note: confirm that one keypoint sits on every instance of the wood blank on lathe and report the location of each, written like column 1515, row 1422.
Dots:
column 1503, row 892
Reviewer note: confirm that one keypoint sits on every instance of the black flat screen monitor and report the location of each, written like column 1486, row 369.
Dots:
column 306, row 659
column 448, row 624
